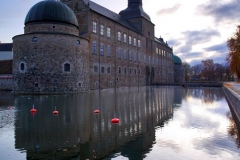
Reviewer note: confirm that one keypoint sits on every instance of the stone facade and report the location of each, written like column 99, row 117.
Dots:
column 43, row 62
column 136, row 65
column 101, row 52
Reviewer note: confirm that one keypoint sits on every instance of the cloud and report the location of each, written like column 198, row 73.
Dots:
column 196, row 37
column 221, row 48
column 168, row 10
column 221, row 12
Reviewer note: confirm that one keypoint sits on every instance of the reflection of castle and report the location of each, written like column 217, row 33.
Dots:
column 82, row 46
column 85, row 134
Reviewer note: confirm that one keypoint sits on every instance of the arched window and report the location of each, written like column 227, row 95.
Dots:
column 35, row 39
column 22, row 67
column 67, row 67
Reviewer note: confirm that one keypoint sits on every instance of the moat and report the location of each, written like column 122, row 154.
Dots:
column 155, row 123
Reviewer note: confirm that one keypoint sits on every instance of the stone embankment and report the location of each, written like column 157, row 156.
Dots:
column 232, row 92
column 203, row 84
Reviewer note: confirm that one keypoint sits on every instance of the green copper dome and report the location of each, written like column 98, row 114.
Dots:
column 176, row 60
column 51, row 11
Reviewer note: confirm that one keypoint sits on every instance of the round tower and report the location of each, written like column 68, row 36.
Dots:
column 50, row 57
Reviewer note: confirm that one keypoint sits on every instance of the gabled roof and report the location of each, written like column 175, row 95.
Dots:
column 6, row 46
column 110, row 14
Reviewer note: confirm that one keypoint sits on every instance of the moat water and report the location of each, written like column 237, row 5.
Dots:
column 155, row 123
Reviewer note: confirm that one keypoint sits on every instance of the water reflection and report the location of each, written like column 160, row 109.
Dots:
column 207, row 95
column 78, row 132
column 233, row 130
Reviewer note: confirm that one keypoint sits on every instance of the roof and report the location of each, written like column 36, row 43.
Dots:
column 111, row 15
column 52, row 11
column 6, row 46
column 160, row 40
column 176, row 59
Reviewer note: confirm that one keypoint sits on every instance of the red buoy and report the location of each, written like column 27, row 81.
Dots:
column 55, row 112
column 33, row 110
column 96, row 111
column 115, row 120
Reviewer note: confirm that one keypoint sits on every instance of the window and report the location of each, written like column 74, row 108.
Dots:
column 135, row 57
column 94, row 48
column 134, row 42
column 22, row 67
column 119, row 53
column 139, row 43
column 102, row 69
column 119, row 36
column 125, row 70
column 130, row 55
column 130, row 40
column 144, row 58
column 119, row 70
column 67, row 67
column 157, row 50
column 125, row 38
column 78, row 42
column 135, row 71
column 108, row 70
column 108, row 32
column 139, row 71
column 146, row 43
column 125, row 54
column 76, row 7
column 95, row 69
column 102, row 49
column 130, row 71
column 35, row 39
column 139, row 57
column 108, row 50
column 149, row 60
column 94, row 27
column 101, row 29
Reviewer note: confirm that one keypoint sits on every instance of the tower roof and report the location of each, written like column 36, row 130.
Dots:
column 176, row 59
column 134, row 10
column 51, row 11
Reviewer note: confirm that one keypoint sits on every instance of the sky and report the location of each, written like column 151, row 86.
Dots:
column 196, row 30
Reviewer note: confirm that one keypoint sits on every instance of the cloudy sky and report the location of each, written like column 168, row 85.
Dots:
column 197, row 30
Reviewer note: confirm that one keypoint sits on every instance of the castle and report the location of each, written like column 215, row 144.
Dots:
column 78, row 45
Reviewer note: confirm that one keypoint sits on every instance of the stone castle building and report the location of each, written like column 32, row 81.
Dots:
column 77, row 45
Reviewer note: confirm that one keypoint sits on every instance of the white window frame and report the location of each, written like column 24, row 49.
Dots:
column 94, row 27
column 108, row 32
column 102, row 29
